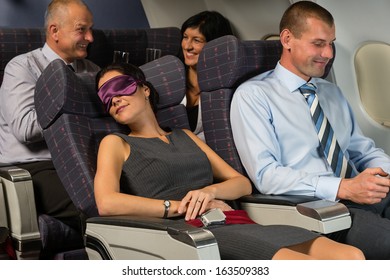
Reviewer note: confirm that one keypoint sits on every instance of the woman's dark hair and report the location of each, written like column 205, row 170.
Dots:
column 211, row 25
column 136, row 73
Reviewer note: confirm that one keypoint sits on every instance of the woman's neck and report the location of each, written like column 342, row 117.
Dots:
column 147, row 131
column 193, row 90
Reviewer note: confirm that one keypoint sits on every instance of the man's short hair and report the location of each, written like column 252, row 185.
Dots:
column 57, row 9
column 294, row 18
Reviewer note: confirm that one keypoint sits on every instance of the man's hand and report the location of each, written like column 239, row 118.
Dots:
column 369, row 187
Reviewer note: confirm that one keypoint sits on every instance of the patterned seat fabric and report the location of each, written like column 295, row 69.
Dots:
column 74, row 120
column 133, row 41
column 167, row 75
column 17, row 41
column 223, row 64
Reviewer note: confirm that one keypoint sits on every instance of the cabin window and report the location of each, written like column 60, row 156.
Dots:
column 372, row 66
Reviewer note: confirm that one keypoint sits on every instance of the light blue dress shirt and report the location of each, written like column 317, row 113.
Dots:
column 278, row 144
column 21, row 137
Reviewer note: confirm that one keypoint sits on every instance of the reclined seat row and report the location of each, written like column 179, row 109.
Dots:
column 74, row 122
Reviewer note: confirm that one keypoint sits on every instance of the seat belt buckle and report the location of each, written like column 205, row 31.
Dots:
column 212, row 217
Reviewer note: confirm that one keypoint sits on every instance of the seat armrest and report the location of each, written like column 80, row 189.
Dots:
column 289, row 200
column 148, row 238
column 20, row 204
column 303, row 211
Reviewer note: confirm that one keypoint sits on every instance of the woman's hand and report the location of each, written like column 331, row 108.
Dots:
column 196, row 202
column 216, row 203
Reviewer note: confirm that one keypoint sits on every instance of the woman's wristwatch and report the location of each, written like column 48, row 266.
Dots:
column 167, row 205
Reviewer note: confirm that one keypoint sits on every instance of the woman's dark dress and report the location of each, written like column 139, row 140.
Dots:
column 159, row 170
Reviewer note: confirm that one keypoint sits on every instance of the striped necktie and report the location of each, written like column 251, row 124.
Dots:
column 329, row 145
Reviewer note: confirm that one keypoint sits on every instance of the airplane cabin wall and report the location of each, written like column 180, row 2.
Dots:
column 251, row 19
column 107, row 14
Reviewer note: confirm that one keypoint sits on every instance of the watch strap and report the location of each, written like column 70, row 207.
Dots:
column 167, row 205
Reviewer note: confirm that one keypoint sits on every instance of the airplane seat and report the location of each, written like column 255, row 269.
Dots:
column 168, row 39
column 133, row 41
column 74, row 121
column 372, row 67
column 223, row 64
column 15, row 41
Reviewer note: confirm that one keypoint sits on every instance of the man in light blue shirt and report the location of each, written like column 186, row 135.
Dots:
column 279, row 146
column 68, row 27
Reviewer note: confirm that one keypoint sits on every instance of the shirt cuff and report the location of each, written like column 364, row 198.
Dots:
column 327, row 188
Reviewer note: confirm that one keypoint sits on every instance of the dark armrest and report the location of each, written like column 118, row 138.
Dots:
column 290, row 200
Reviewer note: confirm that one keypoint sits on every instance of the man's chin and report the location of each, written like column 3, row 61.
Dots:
column 318, row 73
column 81, row 55
column 81, row 52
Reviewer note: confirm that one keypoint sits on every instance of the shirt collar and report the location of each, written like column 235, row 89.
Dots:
column 290, row 80
column 52, row 55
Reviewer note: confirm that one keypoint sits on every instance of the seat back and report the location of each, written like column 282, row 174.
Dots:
column 15, row 41
column 225, row 63
column 74, row 120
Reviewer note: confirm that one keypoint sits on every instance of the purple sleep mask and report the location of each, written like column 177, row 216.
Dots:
column 117, row 86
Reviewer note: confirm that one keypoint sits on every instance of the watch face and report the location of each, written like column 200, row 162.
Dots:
column 167, row 203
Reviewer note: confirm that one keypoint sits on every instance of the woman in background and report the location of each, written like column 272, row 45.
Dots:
column 196, row 32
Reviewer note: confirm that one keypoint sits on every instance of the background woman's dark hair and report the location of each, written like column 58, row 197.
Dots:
column 136, row 73
column 211, row 25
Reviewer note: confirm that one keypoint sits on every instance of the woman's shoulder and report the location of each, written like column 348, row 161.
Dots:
column 188, row 134
column 181, row 131
column 113, row 138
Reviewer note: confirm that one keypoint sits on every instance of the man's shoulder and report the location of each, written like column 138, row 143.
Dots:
column 24, row 65
column 24, row 57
